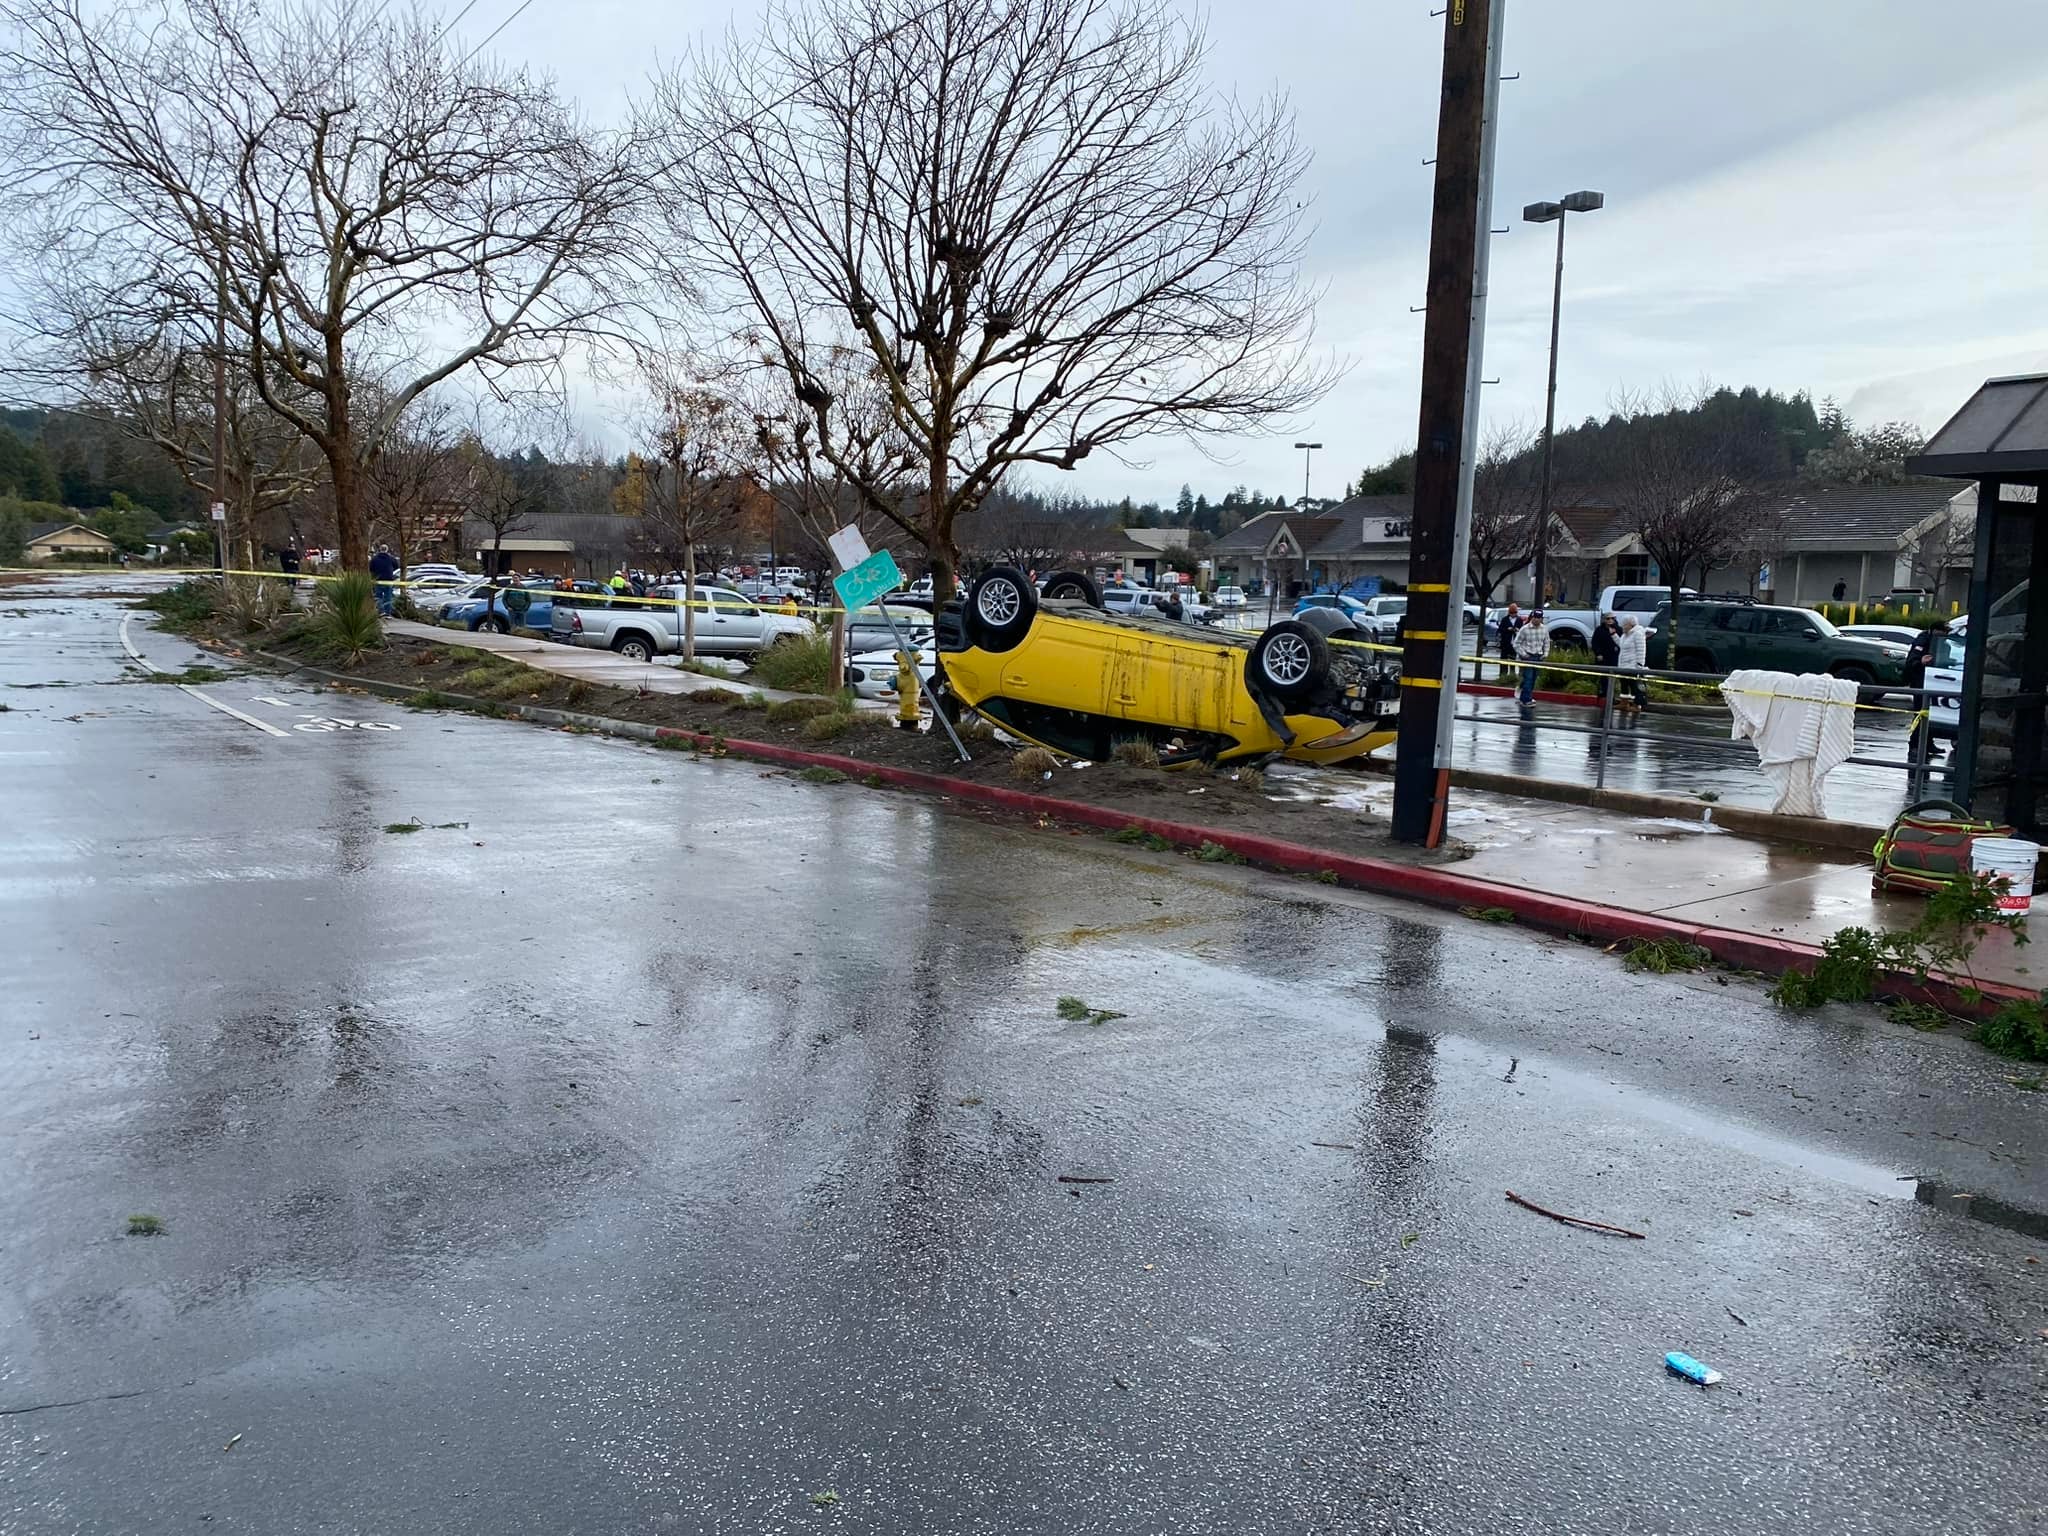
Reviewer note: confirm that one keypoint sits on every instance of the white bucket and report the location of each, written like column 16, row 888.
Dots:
column 2010, row 861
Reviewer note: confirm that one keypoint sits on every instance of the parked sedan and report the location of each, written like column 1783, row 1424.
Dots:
column 435, row 603
column 873, row 674
column 510, row 608
column 868, row 630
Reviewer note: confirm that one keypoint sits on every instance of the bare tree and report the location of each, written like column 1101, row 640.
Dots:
column 1942, row 545
column 1507, row 495
column 353, row 196
column 502, row 501
column 867, row 484
column 416, row 483
column 1030, row 217
column 1034, row 534
column 155, row 383
column 692, row 484
column 1693, row 486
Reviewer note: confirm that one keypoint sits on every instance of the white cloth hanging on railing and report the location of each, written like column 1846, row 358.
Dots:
column 1803, row 725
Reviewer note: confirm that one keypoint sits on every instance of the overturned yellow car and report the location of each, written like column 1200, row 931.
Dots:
column 1057, row 670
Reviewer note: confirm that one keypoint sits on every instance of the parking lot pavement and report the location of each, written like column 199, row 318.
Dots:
column 648, row 1144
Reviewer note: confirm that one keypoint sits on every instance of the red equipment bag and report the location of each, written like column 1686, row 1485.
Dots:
column 1927, row 848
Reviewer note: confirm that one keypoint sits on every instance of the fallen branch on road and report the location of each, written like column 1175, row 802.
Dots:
column 1574, row 1221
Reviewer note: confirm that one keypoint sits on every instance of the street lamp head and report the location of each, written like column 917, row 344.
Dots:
column 1541, row 213
column 1584, row 202
column 1308, row 445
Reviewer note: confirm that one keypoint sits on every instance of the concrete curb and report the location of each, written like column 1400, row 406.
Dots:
column 1440, row 887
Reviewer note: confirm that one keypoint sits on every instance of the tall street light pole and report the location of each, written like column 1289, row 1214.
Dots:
column 1553, row 213
column 1308, row 451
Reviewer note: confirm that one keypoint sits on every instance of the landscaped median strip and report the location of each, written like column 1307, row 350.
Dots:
column 1439, row 887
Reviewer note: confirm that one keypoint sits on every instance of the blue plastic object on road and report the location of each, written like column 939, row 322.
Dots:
column 1681, row 1364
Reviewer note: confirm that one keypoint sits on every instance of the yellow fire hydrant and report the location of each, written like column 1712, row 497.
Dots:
column 907, row 716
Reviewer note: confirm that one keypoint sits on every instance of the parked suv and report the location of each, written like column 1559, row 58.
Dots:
column 1725, row 636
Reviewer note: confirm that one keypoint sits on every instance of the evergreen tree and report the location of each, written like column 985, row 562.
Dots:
column 1184, row 509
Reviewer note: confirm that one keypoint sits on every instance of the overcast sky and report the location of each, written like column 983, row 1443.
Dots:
column 1841, row 196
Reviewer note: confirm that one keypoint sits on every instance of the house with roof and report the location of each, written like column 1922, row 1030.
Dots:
column 1861, row 543
column 557, row 543
column 1812, row 543
column 68, row 541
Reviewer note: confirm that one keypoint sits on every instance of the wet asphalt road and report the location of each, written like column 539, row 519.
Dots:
column 675, row 1141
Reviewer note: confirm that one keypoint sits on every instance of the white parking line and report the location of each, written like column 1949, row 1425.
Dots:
column 229, row 709
column 129, row 646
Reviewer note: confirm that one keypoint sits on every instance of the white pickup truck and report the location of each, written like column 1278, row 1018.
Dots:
column 727, row 623
column 1575, row 626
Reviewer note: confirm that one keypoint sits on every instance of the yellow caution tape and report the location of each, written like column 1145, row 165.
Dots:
column 1643, row 677
column 815, row 609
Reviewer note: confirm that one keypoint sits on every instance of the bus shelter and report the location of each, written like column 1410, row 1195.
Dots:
column 1999, row 439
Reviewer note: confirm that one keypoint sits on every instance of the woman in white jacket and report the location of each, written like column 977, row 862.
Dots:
column 1633, row 648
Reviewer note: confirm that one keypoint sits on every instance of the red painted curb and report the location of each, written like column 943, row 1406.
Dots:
column 1543, row 695
column 1438, row 886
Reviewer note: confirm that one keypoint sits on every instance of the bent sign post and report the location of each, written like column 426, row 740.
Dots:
column 862, row 583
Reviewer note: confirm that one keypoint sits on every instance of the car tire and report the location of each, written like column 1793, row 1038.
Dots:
column 1289, row 663
column 1072, row 584
column 1000, row 607
column 634, row 647
column 495, row 626
column 1867, row 691
column 1694, row 661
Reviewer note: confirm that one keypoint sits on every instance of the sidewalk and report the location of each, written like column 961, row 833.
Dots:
column 1690, row 871
column 592, row 666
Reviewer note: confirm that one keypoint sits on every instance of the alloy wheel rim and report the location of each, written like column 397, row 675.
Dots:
column 1287, row 660
column 998, row 602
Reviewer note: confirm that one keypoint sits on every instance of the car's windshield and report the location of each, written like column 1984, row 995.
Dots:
column 1826, row 628
column 1393, row 605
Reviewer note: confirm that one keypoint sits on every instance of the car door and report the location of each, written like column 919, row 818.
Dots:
column 736, row 624
column 1789, row 642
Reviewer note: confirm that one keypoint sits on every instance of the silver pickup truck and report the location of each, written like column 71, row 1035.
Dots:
column 727, row 624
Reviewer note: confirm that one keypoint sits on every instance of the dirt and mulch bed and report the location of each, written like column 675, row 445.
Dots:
column 1233, row 799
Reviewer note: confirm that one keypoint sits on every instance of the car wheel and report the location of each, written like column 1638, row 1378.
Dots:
column 492, row 625
column 1289, row 662
column 1864, row 679
column 634, row 647
column 1695, row 661
column 1073, row 584
column 1000, row 607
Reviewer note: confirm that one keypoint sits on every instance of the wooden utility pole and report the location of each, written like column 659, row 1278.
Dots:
column 217, row 511
column 1436, row 590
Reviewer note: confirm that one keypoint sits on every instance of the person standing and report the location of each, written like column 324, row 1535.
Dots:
column 1606, row 652
column 1532, row 646
column 1633, row 654
column 1509, row 623
column 1918, row 655
column 384, row 567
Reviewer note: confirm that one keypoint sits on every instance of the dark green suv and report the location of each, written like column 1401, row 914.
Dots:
column 1724, row 636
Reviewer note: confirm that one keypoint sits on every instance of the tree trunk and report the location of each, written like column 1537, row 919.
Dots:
column 342, row 469
column 939, row 522
column 838, row 672
column 689, row 598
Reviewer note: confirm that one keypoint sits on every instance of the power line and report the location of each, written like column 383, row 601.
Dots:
column 501, row 26
column 449, row 25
